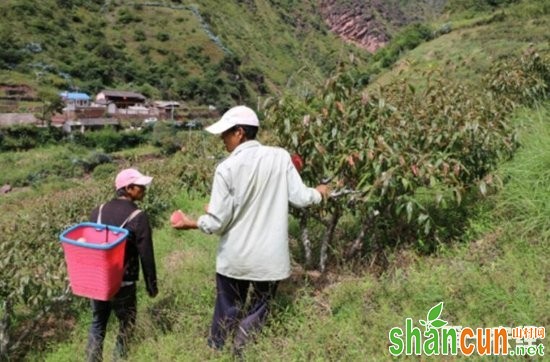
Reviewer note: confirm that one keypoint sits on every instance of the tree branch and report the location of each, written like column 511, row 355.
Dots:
column 61, row 298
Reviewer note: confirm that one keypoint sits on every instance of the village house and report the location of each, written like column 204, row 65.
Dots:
column 81, row 114
column 84, row 124
column 170, row 109
column 75, row 100
column 121, row 99
column 108, row 108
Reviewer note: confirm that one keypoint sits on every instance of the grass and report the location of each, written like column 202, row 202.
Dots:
column 469, row 51
column 497, row 276
column 26, row 167
column 528, row 180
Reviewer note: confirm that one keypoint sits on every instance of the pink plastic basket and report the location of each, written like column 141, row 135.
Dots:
column 96, row 266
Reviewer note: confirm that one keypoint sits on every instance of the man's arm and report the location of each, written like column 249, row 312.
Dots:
column 144, row 242
column 299, row 194
column 219, row 211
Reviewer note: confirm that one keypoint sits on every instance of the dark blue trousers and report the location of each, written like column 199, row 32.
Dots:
column 233, row 314
column 124, row 305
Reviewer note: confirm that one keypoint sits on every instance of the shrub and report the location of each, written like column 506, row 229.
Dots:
column 163, row 36
column 109, row 140
column 105, row 171
column 476, row 5
column 95, row 159
column 139, row 35
column 25, row 137
column 394, row 158
column 125, row 16
column 521, row 80
column 407, row 39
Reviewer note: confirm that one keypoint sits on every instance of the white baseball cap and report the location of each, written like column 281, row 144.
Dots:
column 239, row 115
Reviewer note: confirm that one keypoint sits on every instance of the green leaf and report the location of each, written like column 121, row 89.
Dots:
column 294, row 139
column 483, row 188
column 422, row 322
column 287, row 125
column 458, row 195
column 427, row 227
column 422, row 218
column 438, row 323
column 435, row 312
column 405, row 183
column 409, row 211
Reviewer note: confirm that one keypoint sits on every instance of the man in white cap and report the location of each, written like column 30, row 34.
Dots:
column 130, row 185
column 248, row 208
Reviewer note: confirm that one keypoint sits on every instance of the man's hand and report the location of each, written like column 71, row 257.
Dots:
column 179, row 220
column 323, row 189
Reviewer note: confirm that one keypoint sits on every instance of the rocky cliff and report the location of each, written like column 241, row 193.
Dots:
column 370, row 23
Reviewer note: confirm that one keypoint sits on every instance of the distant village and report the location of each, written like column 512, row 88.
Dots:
column 113, row 108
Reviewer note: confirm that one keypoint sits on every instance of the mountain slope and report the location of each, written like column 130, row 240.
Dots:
column 205, row 51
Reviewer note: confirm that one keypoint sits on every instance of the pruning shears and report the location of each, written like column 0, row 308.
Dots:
column 338, row 193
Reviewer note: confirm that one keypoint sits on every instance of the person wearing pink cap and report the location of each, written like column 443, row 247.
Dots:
column 130, row 185
column 248, row 209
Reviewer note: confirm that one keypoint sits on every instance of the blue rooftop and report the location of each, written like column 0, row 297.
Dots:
column 74, row 96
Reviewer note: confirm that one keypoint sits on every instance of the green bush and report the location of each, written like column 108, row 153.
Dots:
column 398, row 156
column 105, row 171
column 163, row 36
column 26, row 137
column 476, row 5
column 110, row 140
column 139, row 35
column 93, row 160
column 165, row 137
column 407, row 39
column 11, row 52
column 125, row 16
column 521, row 80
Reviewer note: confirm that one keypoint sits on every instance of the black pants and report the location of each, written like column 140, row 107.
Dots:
column 231, row 311
column 124, row 305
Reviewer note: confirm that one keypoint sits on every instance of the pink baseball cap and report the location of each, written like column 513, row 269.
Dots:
column 131, row 176
column 241, row 115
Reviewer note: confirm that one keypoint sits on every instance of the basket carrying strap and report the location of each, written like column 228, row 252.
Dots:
column 128, row 219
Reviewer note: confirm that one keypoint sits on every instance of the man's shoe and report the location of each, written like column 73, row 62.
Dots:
column 215, row 346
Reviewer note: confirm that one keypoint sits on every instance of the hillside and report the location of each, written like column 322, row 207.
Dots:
column 203, row 51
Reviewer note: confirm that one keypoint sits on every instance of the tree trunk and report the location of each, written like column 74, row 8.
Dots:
column 327, row 239
column 357, row 245
column 5, row 315
column 305, row 237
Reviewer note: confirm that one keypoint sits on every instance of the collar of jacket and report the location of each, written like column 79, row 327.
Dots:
column 244, row 146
